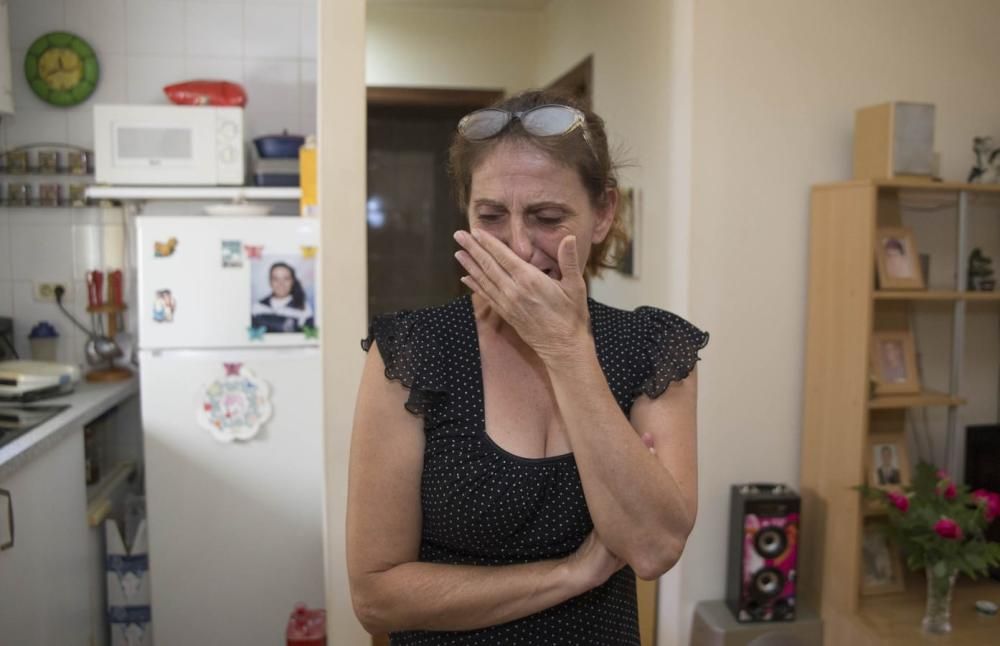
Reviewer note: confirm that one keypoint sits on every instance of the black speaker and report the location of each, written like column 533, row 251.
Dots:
column 763, row 552
column 982, row 469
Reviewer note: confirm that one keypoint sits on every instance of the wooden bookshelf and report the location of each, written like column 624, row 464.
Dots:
column 844, row 309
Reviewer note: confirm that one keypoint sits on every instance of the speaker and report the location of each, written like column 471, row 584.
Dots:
column 763, row 552
column 893, row 140
column 982, row 469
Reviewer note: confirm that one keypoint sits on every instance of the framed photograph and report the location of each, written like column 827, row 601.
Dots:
column 629, row 212
column 282, row 292
column 881, row 563
column 897, row 260
column 888, row 464
column 894, row 363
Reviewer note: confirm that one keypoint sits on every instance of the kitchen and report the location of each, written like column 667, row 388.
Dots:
column 221, row 438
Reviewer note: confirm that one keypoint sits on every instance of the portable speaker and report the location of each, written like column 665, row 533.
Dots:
column 893, row 140
column 763, row 552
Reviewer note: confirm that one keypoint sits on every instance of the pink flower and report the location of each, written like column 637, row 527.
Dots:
column 991, row 503
column 947, row 528
column 901, row 502
column 945, row 487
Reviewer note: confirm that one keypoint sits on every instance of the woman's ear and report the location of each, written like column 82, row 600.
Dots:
column 605, row 215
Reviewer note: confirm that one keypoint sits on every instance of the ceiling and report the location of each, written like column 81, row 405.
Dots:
column 495, row 5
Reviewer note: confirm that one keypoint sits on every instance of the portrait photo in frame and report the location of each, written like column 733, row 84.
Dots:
column 897, row 260
column 887, row 461
column 881, row 562
column 893, row 361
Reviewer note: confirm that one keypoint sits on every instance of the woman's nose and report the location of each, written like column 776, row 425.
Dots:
column 520, row 240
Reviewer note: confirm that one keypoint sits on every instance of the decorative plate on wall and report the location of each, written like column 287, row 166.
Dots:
column 61, row 69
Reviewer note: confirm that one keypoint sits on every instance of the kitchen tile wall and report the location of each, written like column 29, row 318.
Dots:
column 267, row 45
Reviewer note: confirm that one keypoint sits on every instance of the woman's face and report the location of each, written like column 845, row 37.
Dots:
column 530, row 203
column 281, row 282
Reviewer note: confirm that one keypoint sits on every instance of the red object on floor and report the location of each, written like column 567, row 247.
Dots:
column 221, row 93
column 306, row 627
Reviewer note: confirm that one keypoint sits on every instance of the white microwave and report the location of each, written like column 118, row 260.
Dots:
column 168, row 144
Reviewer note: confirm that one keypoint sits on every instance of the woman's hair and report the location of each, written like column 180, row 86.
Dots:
column 597, row 174
column 298, row 294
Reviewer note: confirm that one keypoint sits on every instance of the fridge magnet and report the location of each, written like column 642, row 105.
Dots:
column 232, row 253
column 253, row 250
column 256, row 333
column 282, row 292
column 310, row 332
column 163, row 306
column 164, row 249
column 234, row 407
column 308, row 252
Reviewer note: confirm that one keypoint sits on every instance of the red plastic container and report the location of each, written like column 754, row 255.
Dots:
column 306, row 627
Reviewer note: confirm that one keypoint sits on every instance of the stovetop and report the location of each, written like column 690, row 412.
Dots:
column 16, row 420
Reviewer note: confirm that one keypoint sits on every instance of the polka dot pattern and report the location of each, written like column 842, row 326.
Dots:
column 485, row 506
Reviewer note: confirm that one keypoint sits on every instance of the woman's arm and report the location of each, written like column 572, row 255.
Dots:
column 391, row 590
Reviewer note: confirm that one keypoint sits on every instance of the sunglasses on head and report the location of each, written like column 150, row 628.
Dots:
column 550, row 120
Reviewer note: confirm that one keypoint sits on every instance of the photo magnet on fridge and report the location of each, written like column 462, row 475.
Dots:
column 164, row 249
column 236, row 406
column 283, row 292
column 163, row 306
column 253, row 250
column 308, row 251
column 232, row 253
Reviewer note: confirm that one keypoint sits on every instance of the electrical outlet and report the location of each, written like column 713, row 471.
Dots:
column 46, row 292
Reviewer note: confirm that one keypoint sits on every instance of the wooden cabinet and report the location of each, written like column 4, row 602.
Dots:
column 44, row 577
column 844, row 309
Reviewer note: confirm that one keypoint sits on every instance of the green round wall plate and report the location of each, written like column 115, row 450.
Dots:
column 61, row 69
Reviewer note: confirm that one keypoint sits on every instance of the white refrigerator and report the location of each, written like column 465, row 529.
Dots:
column 231, row 395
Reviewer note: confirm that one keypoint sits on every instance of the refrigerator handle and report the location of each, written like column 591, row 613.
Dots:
column 10, row 519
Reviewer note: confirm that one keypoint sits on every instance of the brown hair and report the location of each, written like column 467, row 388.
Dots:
column 597, row 174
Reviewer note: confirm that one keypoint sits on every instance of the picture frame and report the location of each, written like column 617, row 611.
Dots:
column 881, row 562
column 897, row 260
column 893, row 363
column 887, row 461
column 628, row 198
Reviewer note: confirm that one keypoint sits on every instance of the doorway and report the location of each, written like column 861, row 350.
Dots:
column 411, row 209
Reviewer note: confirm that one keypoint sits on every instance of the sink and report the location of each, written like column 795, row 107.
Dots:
column 15, row 421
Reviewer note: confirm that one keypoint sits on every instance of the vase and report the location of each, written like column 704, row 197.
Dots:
column 940, row 583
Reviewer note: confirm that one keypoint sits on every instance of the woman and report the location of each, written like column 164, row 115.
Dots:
column 286, row 309
column 502, row 474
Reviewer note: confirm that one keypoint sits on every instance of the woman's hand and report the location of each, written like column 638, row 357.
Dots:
column 592, row 564
column 549, row 315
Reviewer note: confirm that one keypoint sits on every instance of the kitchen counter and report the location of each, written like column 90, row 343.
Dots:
column 86, row 403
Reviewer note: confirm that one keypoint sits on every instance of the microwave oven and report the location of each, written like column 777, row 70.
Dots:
column 168, row 144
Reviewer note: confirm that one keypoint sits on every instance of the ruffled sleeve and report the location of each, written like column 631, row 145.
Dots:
column 405, row 355
column 672, row 349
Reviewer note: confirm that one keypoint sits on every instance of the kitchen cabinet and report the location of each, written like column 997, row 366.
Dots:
column 44, row 577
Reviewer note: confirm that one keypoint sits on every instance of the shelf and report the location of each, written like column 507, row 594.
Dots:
column 915, row 184
column 935, row 295
column 924, row 398
column 184, row 193
column 894, row 619
column 99, row 495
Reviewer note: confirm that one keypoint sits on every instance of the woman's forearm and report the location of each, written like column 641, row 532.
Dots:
column 637, row 505
column 431, row 596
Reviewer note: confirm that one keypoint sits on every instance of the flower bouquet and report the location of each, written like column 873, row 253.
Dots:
column 940, row 527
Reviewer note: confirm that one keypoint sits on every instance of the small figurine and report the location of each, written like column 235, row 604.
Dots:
column 987, row 159
column 980, row 276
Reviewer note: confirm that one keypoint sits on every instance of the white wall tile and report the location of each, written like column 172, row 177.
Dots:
column 272, row 30
column 5, row 262
column 310, row 29
column 29, row 19
column 154, row 27
column 80, row 127
column 41, row 252
column 100, row 22
column 214, row 29
column 35, row 126
column 25, row 99
column 147, row 76
column 308, row 97
column 33, row 216
column 87, row 254
column 207, row 67
column 6, row 298
column 111, row 86
column 27, row 312
column 273, row 97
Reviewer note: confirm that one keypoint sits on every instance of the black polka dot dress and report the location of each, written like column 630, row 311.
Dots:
column 485, row 506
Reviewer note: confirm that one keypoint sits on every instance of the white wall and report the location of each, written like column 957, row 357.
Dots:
column 458, row 48
column 776, row 84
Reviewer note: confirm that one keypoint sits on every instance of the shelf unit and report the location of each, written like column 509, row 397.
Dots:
column 194, row 193
column 839, row 411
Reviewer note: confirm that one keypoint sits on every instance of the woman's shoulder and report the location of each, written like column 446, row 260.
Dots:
column 426, row 323
column 643, row 319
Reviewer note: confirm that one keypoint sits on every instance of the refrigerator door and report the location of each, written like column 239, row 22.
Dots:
column 235, row 528
column 224, row 282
